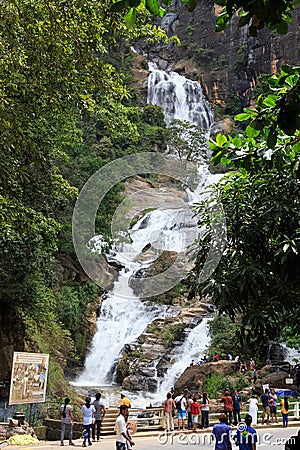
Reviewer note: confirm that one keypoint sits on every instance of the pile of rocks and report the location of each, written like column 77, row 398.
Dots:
column 12, row 428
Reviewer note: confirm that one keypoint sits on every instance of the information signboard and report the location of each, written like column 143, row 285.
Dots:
column 28, row 378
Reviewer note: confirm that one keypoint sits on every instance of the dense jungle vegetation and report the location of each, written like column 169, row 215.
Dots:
column 67, row 107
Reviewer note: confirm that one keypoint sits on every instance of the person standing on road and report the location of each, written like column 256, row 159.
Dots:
column 195, row 411
column 100, row 411
column 237, row 405
column 204, row 407
column 222, row 433
column 265, row 407
column 253, row 408
column 273, row 405
column 121, row 429
column 190, row 419
column 228, row 407
column 88, row 412
column 169, row 406
column 285, row 411
column 66, row 412
column 246, row 436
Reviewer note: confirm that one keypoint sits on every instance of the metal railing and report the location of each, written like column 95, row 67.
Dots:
column 151, row 419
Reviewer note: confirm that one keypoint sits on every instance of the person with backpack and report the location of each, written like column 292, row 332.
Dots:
column 181, row 405
column 66, row 412
column 246, row 436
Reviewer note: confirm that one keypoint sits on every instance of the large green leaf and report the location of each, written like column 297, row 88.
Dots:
column 221, row 139
column 130, row 18
column 244, row 116
column 154, row 7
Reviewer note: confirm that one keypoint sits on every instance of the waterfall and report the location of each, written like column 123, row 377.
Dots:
column 122, row 319
column 194, row 347
column 123, row 316
column 180, row 98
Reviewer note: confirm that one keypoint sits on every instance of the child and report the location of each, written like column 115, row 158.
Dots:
column 195, row 411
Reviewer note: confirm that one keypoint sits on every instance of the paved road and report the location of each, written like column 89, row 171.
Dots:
column 269, row 438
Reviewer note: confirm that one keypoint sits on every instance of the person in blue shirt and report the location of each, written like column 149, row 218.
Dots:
column 222, row 434
column 246, row 436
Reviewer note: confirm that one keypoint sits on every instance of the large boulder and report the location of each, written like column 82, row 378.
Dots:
column 193, row 376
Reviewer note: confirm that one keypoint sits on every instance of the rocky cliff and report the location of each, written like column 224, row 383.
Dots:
column 226, row 63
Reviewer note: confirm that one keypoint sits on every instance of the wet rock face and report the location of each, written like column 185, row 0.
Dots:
column 226, row 63
column 231, row 61
column 139, row 383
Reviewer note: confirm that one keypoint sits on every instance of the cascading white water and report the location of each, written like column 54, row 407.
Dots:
column 193, row 348
column 123, row 317
column 179, row 97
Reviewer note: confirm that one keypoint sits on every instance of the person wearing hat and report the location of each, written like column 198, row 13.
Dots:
column 228, row 407
column 246, row 436
column 221, row 433
column 121, row 429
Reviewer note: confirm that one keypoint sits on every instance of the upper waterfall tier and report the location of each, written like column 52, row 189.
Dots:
column 180, row 98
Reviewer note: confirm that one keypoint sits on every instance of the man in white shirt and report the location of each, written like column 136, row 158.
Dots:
column 121, row 429
column 181, row 405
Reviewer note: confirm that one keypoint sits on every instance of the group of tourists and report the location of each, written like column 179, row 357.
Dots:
column 233, row 405
column 269, row 406
column 188, row 406
column 195, row 409
column 92, row 412
column 245, row 437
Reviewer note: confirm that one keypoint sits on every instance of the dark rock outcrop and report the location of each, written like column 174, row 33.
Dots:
column 227, row 63
column 193, row 376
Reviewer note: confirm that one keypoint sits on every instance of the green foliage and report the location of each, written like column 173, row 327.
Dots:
column 186, row 141
column 132, row 7
column 233, row 104
column 203, row 56
column 214, row 384
column 225, row 338
column 65, row 111
column 291, row 338
column 72, row 300
column 274, row 15
column 259, row 269
column 172, row 332
column 262, row 87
